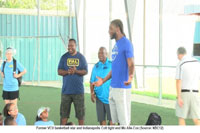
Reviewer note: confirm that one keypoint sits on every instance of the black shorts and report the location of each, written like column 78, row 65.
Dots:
column 10, row 95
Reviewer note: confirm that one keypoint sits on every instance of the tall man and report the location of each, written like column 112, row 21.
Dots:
column 101, row 94
column 122, row 75
column 72, row 67
column 187, row 85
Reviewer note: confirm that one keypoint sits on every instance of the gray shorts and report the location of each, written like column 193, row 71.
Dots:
column 120, row 105
column 191, row 106
column 103, row 110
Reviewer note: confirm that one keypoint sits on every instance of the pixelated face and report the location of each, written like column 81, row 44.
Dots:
column 112, row 31
column 9, row 55
column 13, row 111
column 72, row 47
column 102, row 54
column 44, row 115
column 180, row 56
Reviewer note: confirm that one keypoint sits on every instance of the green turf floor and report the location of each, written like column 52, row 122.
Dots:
column 31, row 98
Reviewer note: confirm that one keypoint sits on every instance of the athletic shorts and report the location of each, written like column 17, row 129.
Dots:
column 103, row 110
column 10, row 95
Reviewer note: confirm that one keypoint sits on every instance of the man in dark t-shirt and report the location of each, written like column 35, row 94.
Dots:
column 72, row 67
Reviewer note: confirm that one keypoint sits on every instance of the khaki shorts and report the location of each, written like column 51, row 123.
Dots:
column 191, row 106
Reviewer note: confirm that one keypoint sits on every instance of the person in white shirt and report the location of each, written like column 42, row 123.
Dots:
column 187, row 85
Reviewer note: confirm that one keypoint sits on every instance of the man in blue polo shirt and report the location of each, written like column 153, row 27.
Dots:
column 101, row 93
column 122, row 75
column 72, row 67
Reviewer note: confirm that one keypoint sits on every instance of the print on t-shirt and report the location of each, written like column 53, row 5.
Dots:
column 11, row 66
column 72, row 62
column 114, row 52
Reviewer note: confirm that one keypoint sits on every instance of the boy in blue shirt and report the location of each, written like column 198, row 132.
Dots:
column 122, row 75
column 101, row 93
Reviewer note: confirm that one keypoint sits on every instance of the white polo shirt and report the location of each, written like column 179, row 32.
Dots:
column 188, row 71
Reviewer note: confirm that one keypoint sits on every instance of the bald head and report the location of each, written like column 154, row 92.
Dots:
column 102, row 54
column 103, row 48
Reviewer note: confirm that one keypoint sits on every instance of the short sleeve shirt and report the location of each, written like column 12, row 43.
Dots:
column 188, row 72
column 122, row 50
column 10, row 83
column 73, row 84
column 101, row 70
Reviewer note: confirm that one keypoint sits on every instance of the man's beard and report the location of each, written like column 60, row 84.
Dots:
column 114, row 36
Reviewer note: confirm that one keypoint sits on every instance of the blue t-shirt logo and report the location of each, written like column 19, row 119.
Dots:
column 114, row 52
column 73, row 84
column 72, row 62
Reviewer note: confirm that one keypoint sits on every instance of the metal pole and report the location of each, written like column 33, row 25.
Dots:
column 84, row 27
column 38, row 39
column 110, row 18
column 144, row 43
column 130, row 34
column 160, row 50
column 76, row 16
column 69, row 19
column 1, row 56
column 128, row 21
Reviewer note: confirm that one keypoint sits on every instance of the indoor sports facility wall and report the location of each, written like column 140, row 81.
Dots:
column 20, row 32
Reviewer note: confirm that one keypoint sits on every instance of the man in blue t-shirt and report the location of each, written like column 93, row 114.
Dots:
column 101, row 93
column 122, row 75
column 72, row 67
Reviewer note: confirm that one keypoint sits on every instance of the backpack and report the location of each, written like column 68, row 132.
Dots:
column 154, row 119
column 14, row 70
